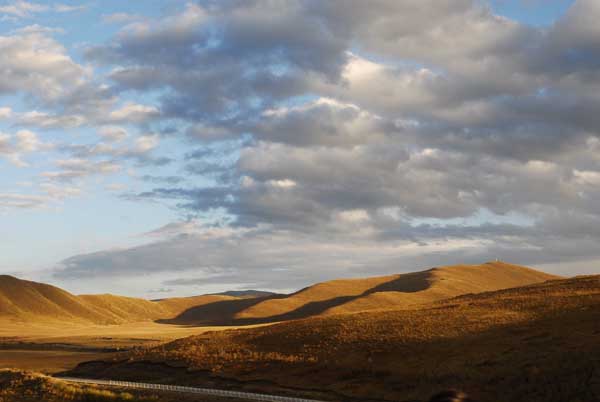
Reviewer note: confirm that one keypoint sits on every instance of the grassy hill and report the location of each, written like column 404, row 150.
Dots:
column 354, row 295
column 536, row 343
column 27, row 301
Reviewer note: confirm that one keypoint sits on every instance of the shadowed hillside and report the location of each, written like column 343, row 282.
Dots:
column 534, row 343
column 177, row 305
column 354, row 295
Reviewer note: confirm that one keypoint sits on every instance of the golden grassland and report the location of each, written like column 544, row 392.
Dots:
column 47, row 348
column 122, row 336
column 534, row 343
column 46, row 361
column 21, row 386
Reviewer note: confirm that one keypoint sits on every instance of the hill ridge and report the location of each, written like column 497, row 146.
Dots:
column 363, row 294
column 27, row 300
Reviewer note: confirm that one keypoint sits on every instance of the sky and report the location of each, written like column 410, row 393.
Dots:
column 171, row 148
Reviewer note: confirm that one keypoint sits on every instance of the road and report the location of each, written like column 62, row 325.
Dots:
column 186, row 390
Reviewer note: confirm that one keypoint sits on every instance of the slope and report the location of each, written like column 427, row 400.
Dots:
column 26, row 300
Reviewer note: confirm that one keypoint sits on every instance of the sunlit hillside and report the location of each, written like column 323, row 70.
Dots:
column 354, row 295
column 32, row 302
column 27, row 301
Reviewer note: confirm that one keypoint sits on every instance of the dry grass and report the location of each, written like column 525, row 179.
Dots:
column 535, row 343
column 21, row 386
column 17, row 386
column 121, row 337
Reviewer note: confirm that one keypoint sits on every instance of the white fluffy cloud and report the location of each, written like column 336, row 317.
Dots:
column 38, row 65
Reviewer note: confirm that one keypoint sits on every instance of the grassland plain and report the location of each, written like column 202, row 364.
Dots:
column 534, row 343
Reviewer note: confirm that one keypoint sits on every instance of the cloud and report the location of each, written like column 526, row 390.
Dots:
column 66, row 8
column 38, row 29
column 73, row 169
column 38, row 65
column 5, row 112
column 47, row 195
column 22, row 9
column 133, row 113
column 113, row 133
column 21, row 201
column 120, row 18
column 389, row 134
column 14, row 147
column 113, row 151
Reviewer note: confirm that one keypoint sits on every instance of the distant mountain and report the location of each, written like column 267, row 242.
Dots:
column 355, row 295
column 246, row 293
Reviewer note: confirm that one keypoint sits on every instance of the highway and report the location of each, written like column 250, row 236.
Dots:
column 185, row 390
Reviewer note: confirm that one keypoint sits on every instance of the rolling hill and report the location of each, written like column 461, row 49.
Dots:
column 25, row 300
column 536, row 343
column 28, row 301
column 354, row 295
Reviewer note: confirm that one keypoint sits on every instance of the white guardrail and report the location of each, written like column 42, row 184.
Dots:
column 187, row 390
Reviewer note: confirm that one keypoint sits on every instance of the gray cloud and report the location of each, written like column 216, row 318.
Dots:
column 344, row 138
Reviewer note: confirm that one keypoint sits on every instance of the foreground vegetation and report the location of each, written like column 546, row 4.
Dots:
column 21, row 386
column 18, row 386
column 535, row 343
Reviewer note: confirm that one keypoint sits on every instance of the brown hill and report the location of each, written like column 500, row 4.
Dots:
column 535, row 343
column 354, row 295
column 27, row 301
column 119, row 309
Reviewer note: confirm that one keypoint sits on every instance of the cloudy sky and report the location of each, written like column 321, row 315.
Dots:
column 161, row 148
